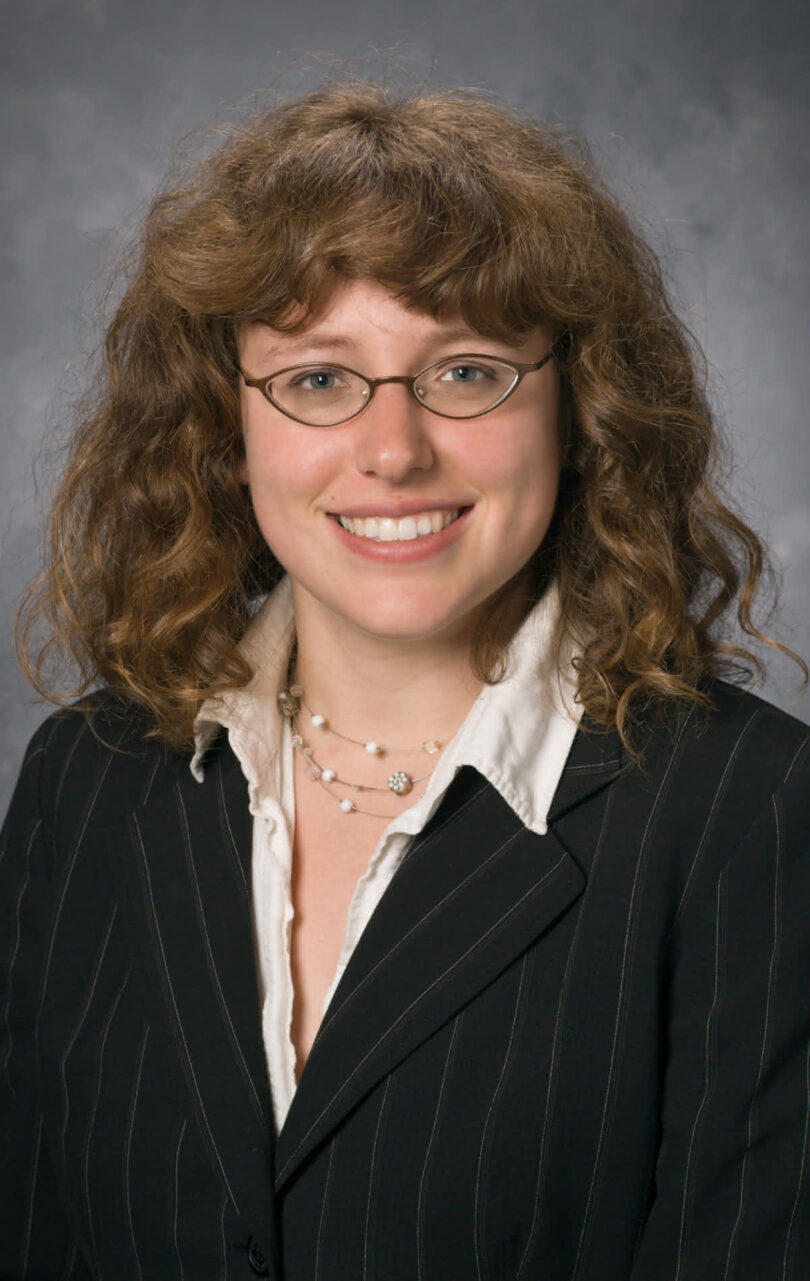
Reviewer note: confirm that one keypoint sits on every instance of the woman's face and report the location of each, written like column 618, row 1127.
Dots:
column 495, row 477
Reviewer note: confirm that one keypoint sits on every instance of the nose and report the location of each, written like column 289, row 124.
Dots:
column 393, row 436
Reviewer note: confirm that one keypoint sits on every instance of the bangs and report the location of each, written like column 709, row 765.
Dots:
column 440, row 265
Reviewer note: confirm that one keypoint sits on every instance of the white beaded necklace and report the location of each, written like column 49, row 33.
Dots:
column 400, row 782
column 431, row 745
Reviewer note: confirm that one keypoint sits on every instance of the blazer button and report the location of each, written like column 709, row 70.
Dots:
column 256, row 1258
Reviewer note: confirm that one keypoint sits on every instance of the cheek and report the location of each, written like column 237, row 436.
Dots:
column 289, row 476
column 528, row 484
column 523, row 466
column 541, row 455
column 282, row 460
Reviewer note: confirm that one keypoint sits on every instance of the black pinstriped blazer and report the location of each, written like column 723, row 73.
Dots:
column 577, row 1057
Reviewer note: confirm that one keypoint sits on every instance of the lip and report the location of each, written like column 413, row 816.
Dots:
column 395, row 510
column 408, row 551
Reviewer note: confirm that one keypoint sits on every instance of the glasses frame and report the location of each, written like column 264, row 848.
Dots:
column 521, row 369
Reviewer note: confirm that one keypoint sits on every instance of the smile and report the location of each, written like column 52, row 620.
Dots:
column 385, row 529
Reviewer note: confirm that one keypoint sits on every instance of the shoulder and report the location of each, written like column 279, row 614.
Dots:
column 702, row 776
column 708, row 779
column 94, row 759
column 716, row 792
column 97, row 728
column 738, row 731
column 733, row 705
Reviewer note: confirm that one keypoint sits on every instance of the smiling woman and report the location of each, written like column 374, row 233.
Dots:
column 414, row 896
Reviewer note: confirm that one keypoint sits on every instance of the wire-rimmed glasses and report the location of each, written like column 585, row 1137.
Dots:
column 462, row 386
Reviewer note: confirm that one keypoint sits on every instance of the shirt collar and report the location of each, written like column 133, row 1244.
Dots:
column 517, row 734
column 250, row 714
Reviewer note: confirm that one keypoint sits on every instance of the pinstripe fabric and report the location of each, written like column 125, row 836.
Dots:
column 578, row 1057
column 91, row 1056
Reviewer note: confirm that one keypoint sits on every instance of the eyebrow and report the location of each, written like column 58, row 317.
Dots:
column 316, row 341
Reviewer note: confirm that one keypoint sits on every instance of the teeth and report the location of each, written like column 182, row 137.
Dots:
column 384, row 529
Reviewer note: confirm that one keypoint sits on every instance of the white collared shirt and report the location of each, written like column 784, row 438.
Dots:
column 517, row 734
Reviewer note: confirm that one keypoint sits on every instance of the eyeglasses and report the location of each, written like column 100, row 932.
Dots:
column 463, row 386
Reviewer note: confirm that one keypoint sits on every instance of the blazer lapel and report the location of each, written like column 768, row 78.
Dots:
column 474, row 891
column 189, row 891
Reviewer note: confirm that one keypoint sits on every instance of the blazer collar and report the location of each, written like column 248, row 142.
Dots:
column 597, row 758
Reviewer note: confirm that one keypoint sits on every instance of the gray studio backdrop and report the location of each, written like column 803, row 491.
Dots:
column 697, row 111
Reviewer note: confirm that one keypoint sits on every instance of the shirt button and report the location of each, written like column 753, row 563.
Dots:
column 256, row 1258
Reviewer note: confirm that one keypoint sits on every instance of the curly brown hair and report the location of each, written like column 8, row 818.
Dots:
column 459, row 206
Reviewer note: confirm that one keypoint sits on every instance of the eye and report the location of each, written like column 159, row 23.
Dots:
column 318, row 379
column 465, row 373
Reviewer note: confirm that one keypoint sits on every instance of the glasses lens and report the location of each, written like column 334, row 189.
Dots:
column 321, row 395
column 465, row 386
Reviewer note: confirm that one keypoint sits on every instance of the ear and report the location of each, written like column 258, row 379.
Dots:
column 241, row 471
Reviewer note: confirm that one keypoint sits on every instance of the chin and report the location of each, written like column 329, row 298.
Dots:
column 400, row 617
column 393, row 626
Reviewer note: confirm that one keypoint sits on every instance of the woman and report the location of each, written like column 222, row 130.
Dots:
column 443, row 914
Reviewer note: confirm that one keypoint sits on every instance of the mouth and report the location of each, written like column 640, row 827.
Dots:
column 406, row 529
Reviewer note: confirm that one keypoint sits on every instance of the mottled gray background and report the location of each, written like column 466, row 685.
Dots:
column 697, row 110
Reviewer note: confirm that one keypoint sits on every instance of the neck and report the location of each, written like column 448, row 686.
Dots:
column 401, row 692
